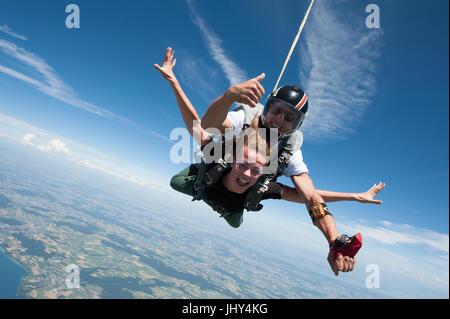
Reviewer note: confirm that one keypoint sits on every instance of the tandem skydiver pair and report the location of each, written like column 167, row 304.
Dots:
column 230, row 186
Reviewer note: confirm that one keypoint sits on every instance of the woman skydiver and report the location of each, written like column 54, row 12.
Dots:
column 228, row 195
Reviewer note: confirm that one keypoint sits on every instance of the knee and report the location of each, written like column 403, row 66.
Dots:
column 177, row 183
column 182, row 184
column 173, row 183
column 235, row 222
column 235, row 225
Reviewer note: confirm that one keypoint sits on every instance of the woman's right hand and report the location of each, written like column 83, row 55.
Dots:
column 167, row 67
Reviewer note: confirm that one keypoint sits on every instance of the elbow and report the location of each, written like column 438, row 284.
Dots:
column 205, row 123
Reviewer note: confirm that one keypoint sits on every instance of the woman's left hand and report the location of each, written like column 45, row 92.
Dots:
column 168, row 64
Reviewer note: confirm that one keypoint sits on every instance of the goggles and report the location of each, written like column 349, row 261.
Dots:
column 276, row 107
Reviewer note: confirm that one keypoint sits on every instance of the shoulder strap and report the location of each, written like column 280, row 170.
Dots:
column 249, row 112
column 208, row 175
column 255, row 194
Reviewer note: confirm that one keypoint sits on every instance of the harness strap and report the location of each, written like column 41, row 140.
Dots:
column 208, row 177
column 256, row 192
column 217, row 208
column 255, row 195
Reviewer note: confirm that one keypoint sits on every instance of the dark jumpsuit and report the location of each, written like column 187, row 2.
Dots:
column 232, row 202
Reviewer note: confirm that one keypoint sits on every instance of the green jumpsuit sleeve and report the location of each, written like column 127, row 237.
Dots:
column 184, row 181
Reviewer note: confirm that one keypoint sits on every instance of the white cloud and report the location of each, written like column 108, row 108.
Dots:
column 102, row 167
column 403, row 234
column 54, row 146
column 338, row 63
column 52, row 85
column 7, row 30
column 197, row 76
column 78, row 154
column 338, row 69
column 58, row 146
column 232, row 71
column 26, row 140
column 86, row 163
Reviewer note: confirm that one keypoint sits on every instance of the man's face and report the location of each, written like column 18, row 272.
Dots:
column 245, row 173
column 281, row 116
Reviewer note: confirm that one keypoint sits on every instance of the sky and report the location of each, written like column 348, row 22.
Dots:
column 378, row 100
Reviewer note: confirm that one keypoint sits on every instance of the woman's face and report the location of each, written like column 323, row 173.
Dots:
column 243, row 175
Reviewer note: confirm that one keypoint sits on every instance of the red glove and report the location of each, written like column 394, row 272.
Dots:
column 346, row 246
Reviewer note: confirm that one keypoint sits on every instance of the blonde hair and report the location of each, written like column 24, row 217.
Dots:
column 251, row 139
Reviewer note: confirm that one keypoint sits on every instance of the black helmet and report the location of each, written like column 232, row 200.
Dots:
column 291, row 96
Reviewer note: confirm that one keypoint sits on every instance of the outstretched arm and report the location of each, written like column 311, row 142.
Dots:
column 326, row 225
column 249, row 92
column 188, row 112
column 292, row 195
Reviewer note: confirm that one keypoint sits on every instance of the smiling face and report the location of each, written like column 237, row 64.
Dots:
column 281, row 117
column 245, row 174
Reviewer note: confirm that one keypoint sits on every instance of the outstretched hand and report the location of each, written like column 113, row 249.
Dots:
column 168, row 64
column 249, row 92
column 368, row 197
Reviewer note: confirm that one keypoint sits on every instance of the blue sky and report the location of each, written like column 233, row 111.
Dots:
column 378, row 97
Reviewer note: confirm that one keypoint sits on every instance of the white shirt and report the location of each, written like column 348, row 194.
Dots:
column 295, row 166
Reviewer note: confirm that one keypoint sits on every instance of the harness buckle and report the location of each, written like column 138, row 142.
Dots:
column 208, row 178
column 222, row 163
column 262, row 188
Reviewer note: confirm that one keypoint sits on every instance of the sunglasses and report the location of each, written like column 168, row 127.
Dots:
column 287, row 116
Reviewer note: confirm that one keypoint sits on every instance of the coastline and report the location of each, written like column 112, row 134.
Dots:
column 18, row 292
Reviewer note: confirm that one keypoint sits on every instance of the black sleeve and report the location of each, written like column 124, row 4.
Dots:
column 274, row 191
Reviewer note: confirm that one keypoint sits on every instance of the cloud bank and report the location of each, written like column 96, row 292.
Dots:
column 389, row 233
column 76, row 153
column 52, row 84
column 338, row 58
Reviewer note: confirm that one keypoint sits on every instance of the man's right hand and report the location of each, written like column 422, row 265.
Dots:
column 340, row 263
column 249, row 92
column 368, row 197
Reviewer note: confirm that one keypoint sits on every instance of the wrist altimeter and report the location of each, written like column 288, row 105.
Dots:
column 319, row 211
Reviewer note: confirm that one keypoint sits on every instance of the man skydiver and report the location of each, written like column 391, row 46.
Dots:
column 285, row 111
